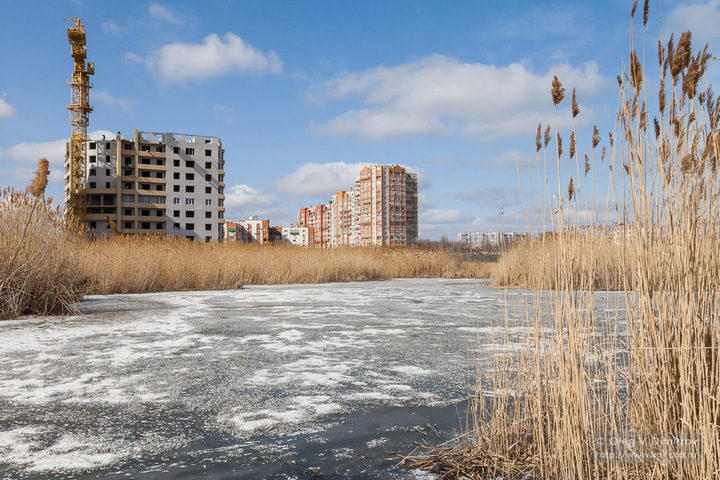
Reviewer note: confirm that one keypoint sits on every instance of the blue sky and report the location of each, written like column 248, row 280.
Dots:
column 303, row 94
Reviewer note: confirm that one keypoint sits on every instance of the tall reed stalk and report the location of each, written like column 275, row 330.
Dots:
column 626, row 385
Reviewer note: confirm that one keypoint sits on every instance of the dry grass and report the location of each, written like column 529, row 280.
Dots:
column 136, row 265
column 45, row 268
column 39, row 258
column 651, row 372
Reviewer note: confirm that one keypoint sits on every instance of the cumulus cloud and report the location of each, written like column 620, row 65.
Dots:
column 6, row 110
column 319, row 179
column 442, row 96
column 213, row 57
column 101, row 96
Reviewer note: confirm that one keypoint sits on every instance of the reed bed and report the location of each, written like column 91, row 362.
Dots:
column 136, row 265
column 39, row 257
column 628, row 387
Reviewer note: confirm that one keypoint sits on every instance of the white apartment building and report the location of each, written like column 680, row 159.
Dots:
column 156, row 183
column 489, row 240
column 300, row 236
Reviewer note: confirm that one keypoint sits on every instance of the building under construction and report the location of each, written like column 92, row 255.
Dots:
column 153, row 183
column 156, row 183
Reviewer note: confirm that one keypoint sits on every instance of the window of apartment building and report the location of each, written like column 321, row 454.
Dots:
column 145, row 148
column 92, row 158
column 176, row 163
column 208, row 177
column 189, row 201
column 160, row 213
column 208, row 226
column 128, row 160
column 160, row 225
column 160, row 187
column 208, row 239
column 159, row 200
column 189, row 151
column 189, row 226
column 145, row 225
column 176, row 188
column 176, row 226
column 145, row 161
column 159, row 174
column 91, row 185
column 208, row 189
column 208, row 153
column 144, row 199
column 92, row 225
column 176, row 201
column 208, row 202
column 208, row 165
column 107, row 158
column 128, row 173
column 176, row 150
column 144, row 174
column 92, row 172
column 144, row 213
column 189, row 176
column 107, row 146
column 107, row 184
column 145, row 186
column 128, row 198
column 128, row 146
column 221, row 215
column 190, row 214
column 127, row 225
column 208, row 214
column 176, row 213
column 160, row 149
column 221, row 203
column 92, row 146
column 189, row 189
column 128, row 212
column 189, row 164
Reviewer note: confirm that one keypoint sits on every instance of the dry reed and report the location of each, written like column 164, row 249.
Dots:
column 598, row 397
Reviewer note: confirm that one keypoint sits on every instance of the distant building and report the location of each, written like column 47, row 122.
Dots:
column 252, row 230
column 300, row 236
column 385, row 210
column 155, row 183
column 341, row 207
column 491, row 240
column 319, row 218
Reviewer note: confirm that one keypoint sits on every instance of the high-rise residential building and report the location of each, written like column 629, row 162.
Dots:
column 156, row 183
column 341, row 228
column 386, row 207
column 319, row 218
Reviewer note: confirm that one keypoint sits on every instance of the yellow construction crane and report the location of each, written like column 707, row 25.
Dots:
column 76, row 196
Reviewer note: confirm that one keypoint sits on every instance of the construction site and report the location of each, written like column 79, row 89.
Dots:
column 150, row 184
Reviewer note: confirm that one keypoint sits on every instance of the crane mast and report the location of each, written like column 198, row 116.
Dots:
column 79, row 106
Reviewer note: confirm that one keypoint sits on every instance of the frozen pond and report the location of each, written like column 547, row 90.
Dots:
column 287, row 382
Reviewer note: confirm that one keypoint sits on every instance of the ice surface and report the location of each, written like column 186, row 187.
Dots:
column 139, row 375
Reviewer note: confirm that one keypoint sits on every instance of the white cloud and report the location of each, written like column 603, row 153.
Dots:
column 160, row 12
column 439, row 215
column 101, row 96
column 701, row 18
column 6, row 110
column 442, row 96
column 319, row 179
column 212, row 57
column 242, row 200
column 111, row 28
